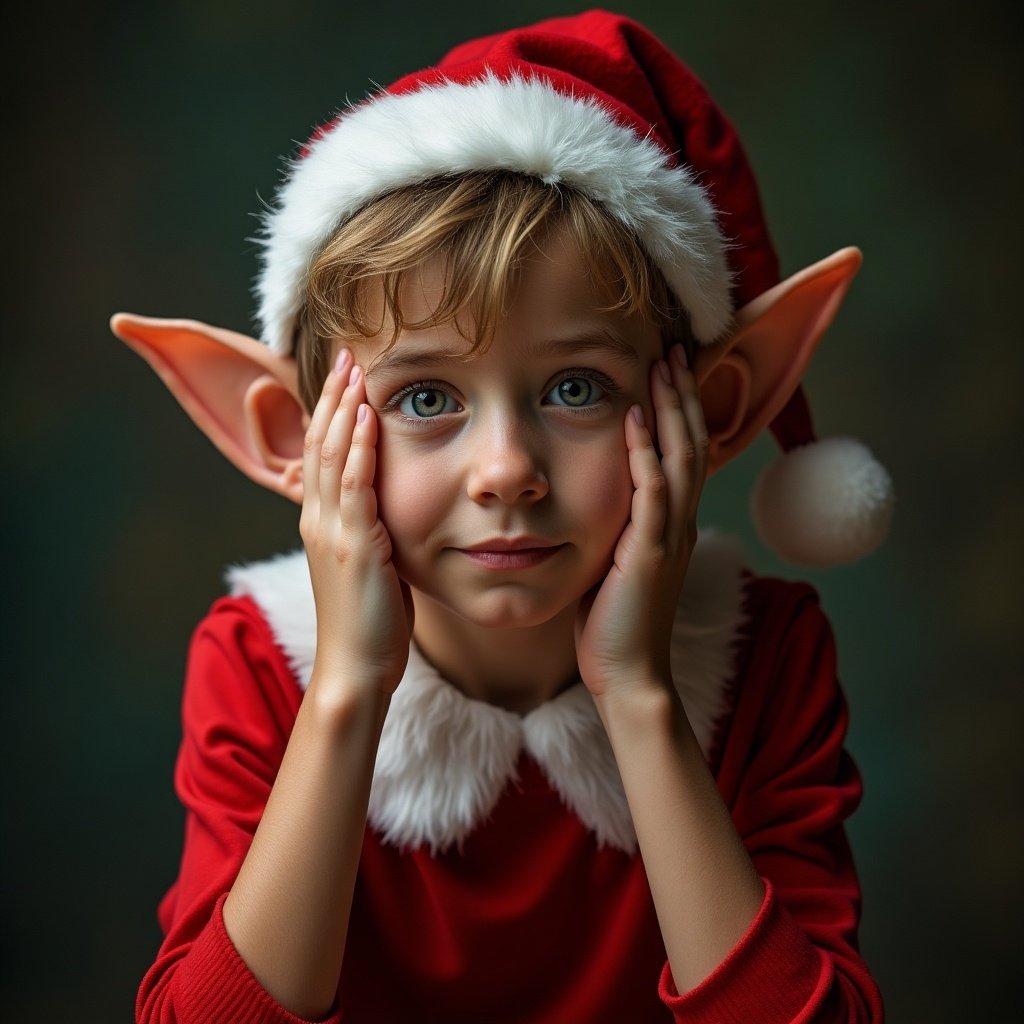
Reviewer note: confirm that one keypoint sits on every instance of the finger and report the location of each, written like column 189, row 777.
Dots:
column 338, row 439
column 358, row 498
column 686, row 385
column 677, row 447
column 648, row 510
column 330, row 396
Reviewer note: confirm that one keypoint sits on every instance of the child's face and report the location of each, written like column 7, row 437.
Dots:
column 522, row 441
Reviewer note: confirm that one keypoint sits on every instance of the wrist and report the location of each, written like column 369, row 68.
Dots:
column 339, row 702
column 650, row 701
column 644, row 712
column 358, row 667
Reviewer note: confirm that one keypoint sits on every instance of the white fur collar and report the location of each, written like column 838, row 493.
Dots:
column 445, row 759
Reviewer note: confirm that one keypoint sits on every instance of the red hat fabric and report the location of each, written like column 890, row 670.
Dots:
column 593, row 101
column 646, row 87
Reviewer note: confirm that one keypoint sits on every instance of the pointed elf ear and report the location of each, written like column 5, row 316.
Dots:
column 746, row 379
column 244, row 397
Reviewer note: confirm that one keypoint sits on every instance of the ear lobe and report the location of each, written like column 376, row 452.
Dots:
column 244, row 397
column 775, row 337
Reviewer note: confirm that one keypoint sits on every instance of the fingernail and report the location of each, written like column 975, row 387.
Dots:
column 353, row 377
column 341, row 363
column 663, row 371
column 679, row 353
column 638, row 415
column 361, row 415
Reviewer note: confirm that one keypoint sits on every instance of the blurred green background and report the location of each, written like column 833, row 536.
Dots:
column 140, row 140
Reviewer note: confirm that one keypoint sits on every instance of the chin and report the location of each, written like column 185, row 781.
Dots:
column 510, row 616
column 507, row 607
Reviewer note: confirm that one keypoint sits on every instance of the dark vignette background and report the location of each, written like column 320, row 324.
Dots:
column 140, row 139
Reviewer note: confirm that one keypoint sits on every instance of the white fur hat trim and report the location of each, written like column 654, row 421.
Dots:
column 518, row 124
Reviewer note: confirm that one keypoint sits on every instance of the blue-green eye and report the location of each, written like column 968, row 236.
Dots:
column 576, row 392
column 426, row 403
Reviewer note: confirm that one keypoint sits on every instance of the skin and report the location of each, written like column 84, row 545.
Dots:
column 507, row 456
column 390, row 505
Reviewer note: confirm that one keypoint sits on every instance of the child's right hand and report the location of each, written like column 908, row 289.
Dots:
column 364, row 611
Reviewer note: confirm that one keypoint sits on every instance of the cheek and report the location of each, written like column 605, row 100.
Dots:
column 596, row 482
column 410, row 491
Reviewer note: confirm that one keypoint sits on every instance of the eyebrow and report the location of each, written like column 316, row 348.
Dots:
column 593, row 340
column 596, row 340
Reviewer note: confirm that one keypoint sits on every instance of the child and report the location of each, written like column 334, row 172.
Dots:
column 515, row 309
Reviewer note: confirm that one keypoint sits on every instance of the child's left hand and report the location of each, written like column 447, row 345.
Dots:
column 624, row 625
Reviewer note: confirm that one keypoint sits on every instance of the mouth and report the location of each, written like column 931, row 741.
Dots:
column 511, row 552
column 506, row 544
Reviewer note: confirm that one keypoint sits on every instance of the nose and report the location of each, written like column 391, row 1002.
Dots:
column 506, row 468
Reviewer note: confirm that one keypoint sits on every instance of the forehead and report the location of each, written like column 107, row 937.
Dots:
column 421, row 349
column 555, row 307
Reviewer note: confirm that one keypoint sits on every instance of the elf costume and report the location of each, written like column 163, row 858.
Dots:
column 500, row 878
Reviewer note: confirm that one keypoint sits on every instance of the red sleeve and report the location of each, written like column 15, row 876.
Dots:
column 789, row 784
column 239, row 706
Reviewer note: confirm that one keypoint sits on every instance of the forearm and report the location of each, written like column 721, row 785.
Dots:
column 288, row 911
column 705, row 889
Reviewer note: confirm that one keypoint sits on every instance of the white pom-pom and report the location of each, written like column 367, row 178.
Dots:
column 824, row 504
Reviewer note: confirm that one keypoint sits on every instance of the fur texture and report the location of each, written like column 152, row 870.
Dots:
column 445, row 759
column 824, row 504
column 518, row 124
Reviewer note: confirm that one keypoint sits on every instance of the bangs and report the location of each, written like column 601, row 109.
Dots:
column 482, row 225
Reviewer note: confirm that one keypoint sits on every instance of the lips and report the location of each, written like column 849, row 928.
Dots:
column 511, row 552
column 505, row 544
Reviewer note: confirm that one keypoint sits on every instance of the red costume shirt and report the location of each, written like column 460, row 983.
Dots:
column 499, row 879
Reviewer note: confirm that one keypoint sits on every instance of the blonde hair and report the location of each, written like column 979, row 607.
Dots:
column 481, row 224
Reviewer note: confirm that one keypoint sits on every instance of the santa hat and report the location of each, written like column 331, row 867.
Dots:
column 595, row 102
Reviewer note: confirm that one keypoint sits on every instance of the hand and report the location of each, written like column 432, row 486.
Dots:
column 624, row 625
column 364, row 612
